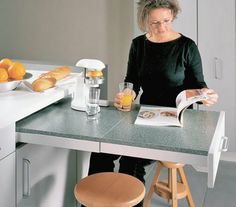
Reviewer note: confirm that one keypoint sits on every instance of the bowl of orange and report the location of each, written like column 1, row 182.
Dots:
column 13, row 84
column 12, row 74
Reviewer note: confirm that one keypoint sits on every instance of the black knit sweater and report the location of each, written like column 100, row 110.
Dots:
column 162, row 70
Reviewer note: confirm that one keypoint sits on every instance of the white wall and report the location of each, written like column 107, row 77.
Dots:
column 63, row 31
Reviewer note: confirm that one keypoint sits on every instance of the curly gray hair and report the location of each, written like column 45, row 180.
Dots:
column 145, row 6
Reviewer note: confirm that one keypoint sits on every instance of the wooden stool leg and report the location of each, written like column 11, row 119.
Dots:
column 185, row 182
column 148, row 198
column 169, row 183
column 174, row 187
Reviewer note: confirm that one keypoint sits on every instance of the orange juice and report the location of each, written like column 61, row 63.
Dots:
column 126, row 89
column 126, row 102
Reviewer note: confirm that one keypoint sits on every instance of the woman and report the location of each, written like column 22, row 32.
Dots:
column 162, row 62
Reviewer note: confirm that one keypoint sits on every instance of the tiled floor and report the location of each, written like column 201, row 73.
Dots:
column 222, row 195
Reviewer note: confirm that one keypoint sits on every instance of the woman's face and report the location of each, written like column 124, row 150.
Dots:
column 160, row 21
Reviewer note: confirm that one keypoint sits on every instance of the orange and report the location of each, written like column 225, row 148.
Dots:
column 94, row 73
column 5, row 63
column 16, row 71
column 3, row 75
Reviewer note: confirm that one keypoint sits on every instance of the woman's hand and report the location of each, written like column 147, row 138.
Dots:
column 118, row 100
column 213, row 96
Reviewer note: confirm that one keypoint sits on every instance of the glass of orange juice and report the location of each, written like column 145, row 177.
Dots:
column 126, row 89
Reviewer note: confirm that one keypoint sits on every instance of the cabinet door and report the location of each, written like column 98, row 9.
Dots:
column 7, row 181
column 216, row 41
column 45, row 176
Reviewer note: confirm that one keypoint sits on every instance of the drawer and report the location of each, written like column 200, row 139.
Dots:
column 219, row 144
column 7, row 140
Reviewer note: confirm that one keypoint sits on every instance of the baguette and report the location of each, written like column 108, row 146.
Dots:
column 57, row 73
column 42, row 84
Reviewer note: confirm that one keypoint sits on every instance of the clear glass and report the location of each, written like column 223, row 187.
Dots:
column 126, row 89
column 92, row 103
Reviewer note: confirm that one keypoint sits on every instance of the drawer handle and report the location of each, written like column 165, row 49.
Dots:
column 225, row 144
column 26, row 178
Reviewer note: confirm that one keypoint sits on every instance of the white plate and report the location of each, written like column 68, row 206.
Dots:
column 11, row 85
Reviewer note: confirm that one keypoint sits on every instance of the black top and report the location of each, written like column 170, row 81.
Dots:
column 163, row 70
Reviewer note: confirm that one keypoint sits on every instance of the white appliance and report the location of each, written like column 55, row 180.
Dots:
column 90, row 77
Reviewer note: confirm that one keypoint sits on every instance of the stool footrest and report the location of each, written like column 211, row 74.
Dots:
column 162, row 189
column 162, row 186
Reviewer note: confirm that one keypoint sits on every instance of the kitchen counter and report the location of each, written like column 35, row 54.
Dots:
column 21, row 102
column 198, row 143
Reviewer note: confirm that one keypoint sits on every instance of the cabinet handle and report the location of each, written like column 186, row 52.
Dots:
column 218, row 68
column 26, row 178
column 225, row 144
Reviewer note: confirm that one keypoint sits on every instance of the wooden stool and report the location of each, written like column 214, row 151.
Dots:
column 109, row 189
column 171, row 189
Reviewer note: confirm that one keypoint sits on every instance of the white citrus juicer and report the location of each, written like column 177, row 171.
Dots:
column 91, row 76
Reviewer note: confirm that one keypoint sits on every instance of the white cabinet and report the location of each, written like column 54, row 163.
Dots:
column 212, row 25
column 7, row 140
column 7, row 181
column 45, row 176
column 217, row 42
column 7, row 166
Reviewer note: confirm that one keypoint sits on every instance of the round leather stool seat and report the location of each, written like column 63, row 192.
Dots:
column 109, row 189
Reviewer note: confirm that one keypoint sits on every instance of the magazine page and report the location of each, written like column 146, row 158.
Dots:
column 157, row 116
column 168, row 116
column 187, row 98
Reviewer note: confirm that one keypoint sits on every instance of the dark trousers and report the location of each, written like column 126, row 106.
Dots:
column 101, row 162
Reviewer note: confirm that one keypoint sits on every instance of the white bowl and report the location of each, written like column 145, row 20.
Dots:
column 11, row 85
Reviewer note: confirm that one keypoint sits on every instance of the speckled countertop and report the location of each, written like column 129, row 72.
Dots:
column 118, row 127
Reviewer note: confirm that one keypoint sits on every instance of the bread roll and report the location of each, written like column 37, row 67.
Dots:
column 42, row 84
column 57, row 73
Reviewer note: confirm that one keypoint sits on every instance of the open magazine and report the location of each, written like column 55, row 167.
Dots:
column 169, row 116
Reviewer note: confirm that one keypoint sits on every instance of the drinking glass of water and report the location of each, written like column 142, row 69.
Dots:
column 92, row 106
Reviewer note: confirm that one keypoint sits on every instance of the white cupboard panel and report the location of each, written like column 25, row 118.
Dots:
column 7, row 140
column 7, row 181
column 216, row 35
column 45, row 176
